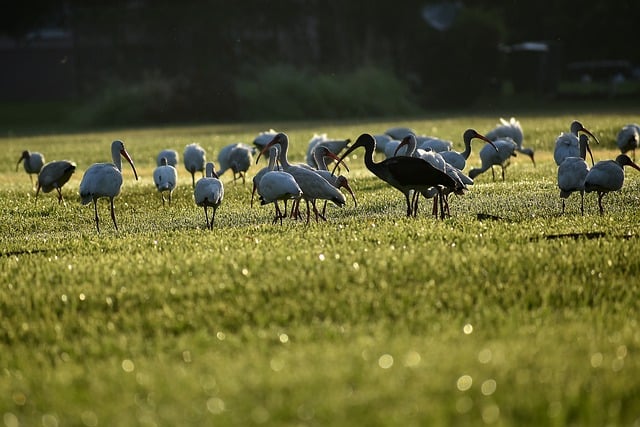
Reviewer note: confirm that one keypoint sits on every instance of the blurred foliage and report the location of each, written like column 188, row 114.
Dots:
column 283, row 91
column 205, row 52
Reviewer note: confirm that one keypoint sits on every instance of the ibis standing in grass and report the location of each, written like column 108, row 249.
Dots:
column 165, row 177
column 506, row 148
column 568, row 144
column 237, row 157
column 628, row 139
column 195, row 159
column 606, row 176
column 459, row 159
column 406, row 174
column 105, row 180
column 33, row 162
column 572, row 172
column 314, row 187
column 208, row 193
column 54, row 175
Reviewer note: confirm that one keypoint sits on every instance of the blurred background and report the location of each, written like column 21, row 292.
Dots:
column 143, row 61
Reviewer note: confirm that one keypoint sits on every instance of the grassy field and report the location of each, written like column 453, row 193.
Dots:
column 525, row 318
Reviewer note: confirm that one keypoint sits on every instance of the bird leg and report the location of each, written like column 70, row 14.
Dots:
column 113, row 214
column 60, row 198
column 213, row 217
column 581, row 202
column 409, row 204
column 206, row 216
column 493, row 173
column 562, row 206
column 600, row 196
column 95, row 209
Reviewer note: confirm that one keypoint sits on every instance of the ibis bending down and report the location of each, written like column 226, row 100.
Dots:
column 195, row 159
column 33, row 162
column 165, row 177
column 406, row 174
column 54, row 175
column 506, row 148
column 105, row 180
column 568, row 144
column 606, row 176
column 237, row 157
column 511, row 129
column 209, row 193
column 572, row 173
column 314, row 187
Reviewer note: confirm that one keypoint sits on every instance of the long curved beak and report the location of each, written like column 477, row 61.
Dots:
column 404, row 142
column 340, row 160
column 266, row 148
column 487, row 140
column 590, row 154
column 590, row 134
column 126, row 156
column 336, row 158
column 353, row 195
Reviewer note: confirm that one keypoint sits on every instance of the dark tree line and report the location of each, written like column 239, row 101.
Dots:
column 209, row 44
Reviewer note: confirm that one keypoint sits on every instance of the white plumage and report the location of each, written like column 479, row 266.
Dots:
column 237, row 157
column 275, row 186
column 33, row 162
column 628, row 139
column 105, row 180
column 195, row 159
column 209, row 193
column 54, row 175
column 165, row 177
column 572, row 173
column 511, row 129
column 506, row 148
column 607, row 176
column 568, row 144
column 333, row 145
column 313, row 186
column 170, row 155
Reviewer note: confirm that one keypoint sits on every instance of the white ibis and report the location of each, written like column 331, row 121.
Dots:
column 54, row 175
column 170, row 155
column 275, row 186
column 606, row 176
column 338, row 181
column 399, row 132
column 628, row 139
column 33, row 162
column 511, row 129
column 381, row 141
column 506, row 148
column 237, row 157
column 263, row 138
column 406, row 174
column 195, row 159
column 165, row 177
column 431, row 143
column 208, row 193
column 572, row 173
column 314, row 187
column 105, row 180
column 568, row 145
column 459, row 159
column 273, row 156
column 334, row 145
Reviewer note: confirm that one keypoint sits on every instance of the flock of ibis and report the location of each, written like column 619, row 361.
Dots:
column 415, row 165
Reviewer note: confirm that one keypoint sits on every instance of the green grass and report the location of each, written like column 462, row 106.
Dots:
column 369, row 318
